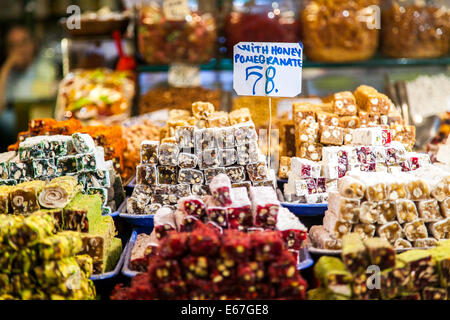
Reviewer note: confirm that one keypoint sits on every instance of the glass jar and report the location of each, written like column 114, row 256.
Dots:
column 415, row 29
column 339, row 30
column 261, row 21
column 164, row 40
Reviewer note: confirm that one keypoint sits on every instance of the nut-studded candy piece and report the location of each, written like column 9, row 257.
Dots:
column 167, row 174
column 390, row 231
column 334, row 226
column 227, row 157
column 164, row 221
column 185, row 136
column 225, row 137
column 235, row 173
column 220, row 187
column 344, row 104
column 350, row 122
column 149, row 152
column 347, row 210
column 387, row 210
column 265, row 206
column 381, row 252
column 257, row 171
column 445, row 207
column 350, row 187
column 402, row 244
column 204, row 139
column 354, row 253
column 208, row 158
column 406, row 210
column 311, row 151
column 168, row 154
column 202, row 110
column 146, row 174
column 190, row 176
column 364, row 230
column 245, row 133
column 440, row 229
column 415, row 230
column 210, row 173
column 429, row 210
column 303, row 112
column 332, row 135
column 192, row 206
column 247, row 153
column 218, row 119
column 187, row 160
column 322, row 239
column 369, row 212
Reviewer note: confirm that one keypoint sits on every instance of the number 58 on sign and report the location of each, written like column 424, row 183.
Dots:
column 267, row 69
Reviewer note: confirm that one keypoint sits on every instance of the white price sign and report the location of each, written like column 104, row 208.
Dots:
column 267, row 69
column 184, row 75
column 176, row 9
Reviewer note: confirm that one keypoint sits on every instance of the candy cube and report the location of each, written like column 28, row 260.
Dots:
column 415, row 230
column 208, row 158
column 332, row 135
column 210, row 173
column 354, row 253
column 83, row 143
column 19, row 170
column 267, row 246
column 168, row 154
column 351, row 122
column 43, row 168
column 204, row 139
column 291, row 229
column 333, row 274
column 192, row 206
column 190, row 176
column 347, row 210
column 174, row 245
column 307, row 132
column 387, row 210
column 350, row 187
column 235, row 173
column 344, row 104
column 167, row 174
column 369, row 212
column 187, row 160
column 257, row 171
column 146, row 174
column 381, row 252
column 164, row 222
column 225, row 137
column 440, row 229
column 322, row 239
column 305, row 168
column 203, row 241
column 402, row 244
column 163, row 270
column 335, row 226
column 220, row 187
column 265, row 206
column 245, row 133
column 202, row 110
column 327, row 118
column 247, row 153
column 394, row 281
column 240, row 211
column 227, row 157
column 311, row 151
column 364, row 230
column 185, row 137
column 422, row 271
column 200, row 190
column 149, row 152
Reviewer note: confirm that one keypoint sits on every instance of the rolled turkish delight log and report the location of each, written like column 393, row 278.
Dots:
column 24, row 197
column 445, row 207
column 347, row 210
column 415, row 230
column 394, row 281
column 220, row 187
column 322, row 239
column 437, row 179
column 396, row 189
column 369, row 212
column 354, row 253
column 387, row 211
column 381, row 252
column 429, row 210
column 390, row 231
column 402, row 244
column 350, row 187
column 333, row 274
column 164, row 222
column 59, row 246
column 291, row 229
column 406, row 211
column 421, row 267
column 265, row 206
column 59, row 192
column 417, row 188
column 336, row 227
column 365, row 230
column 425, row 243
column 440, row 229
column 376, row 184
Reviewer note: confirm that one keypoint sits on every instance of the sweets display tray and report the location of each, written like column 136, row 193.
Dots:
column 113, row 273
column 306, row 260
column 306, row 209
column 136, row 220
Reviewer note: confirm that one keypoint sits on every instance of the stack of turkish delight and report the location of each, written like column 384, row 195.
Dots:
column 72, row 210
column 340, row 122
column 414, row 274
column 408, row 209
column 185, row 164
column 44, row 158
column 227, row 208
column 37, row 262
column 205, row 264
column 308, row 180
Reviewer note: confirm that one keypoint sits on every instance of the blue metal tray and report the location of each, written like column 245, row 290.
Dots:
column 126, row 269
column 305, row 258
column 306, row 209
column 113, row 273
column 136, row 220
